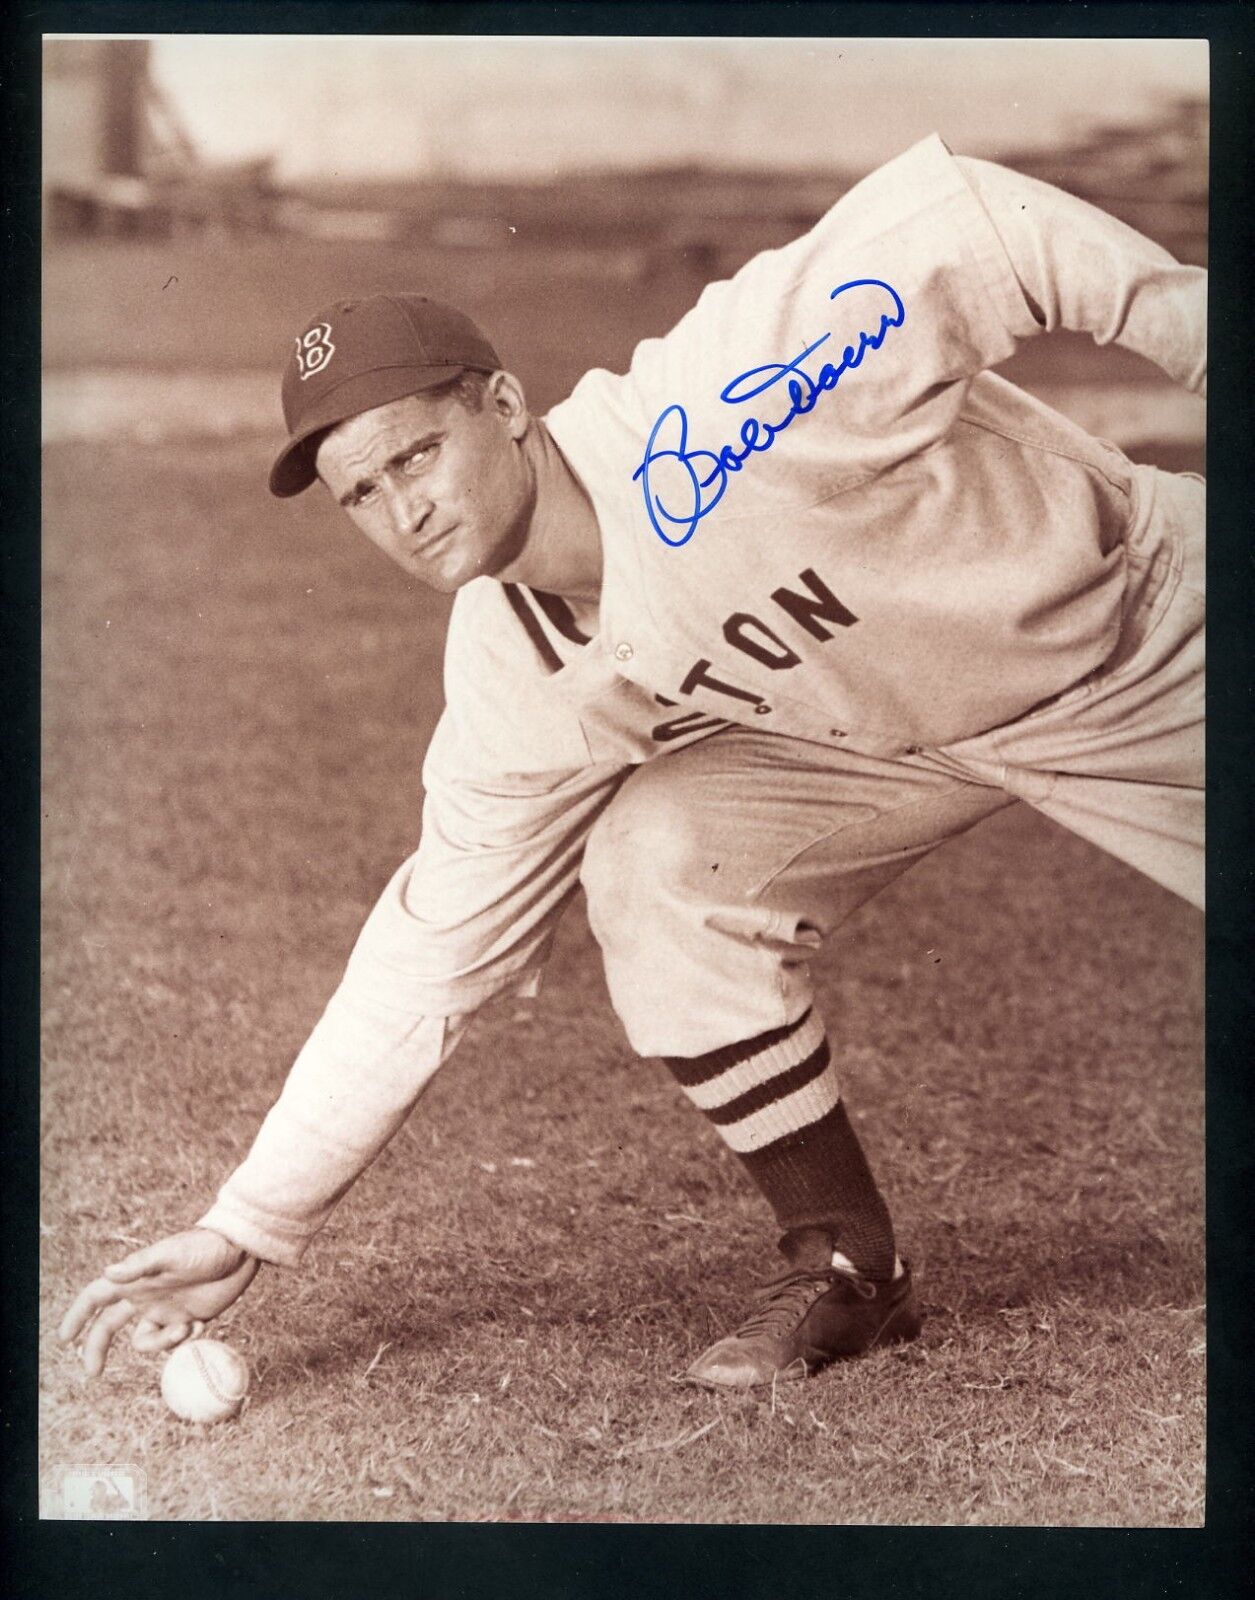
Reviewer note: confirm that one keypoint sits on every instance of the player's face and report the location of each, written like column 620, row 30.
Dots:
column 445, row 491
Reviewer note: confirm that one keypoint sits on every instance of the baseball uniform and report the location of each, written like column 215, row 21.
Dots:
column 858, row 593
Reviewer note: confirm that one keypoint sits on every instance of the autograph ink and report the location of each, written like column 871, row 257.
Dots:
column 756, row 436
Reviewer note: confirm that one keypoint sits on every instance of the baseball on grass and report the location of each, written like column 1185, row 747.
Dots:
column 204, row 1380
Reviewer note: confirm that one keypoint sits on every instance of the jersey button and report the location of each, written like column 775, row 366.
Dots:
column 623, row 652
column 762, row 710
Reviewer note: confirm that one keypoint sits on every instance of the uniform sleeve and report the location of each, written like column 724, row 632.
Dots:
column 820, row 365
column 474, row 910
column 470, row 915
column 1083, row 270
column 846, row 351
column 350, row 1089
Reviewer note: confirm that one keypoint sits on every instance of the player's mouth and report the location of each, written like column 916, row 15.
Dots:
column 429, row 543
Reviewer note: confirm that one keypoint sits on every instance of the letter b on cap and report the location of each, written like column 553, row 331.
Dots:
column 314, row 350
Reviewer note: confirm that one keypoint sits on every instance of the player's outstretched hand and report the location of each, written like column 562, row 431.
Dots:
column 172, row 1288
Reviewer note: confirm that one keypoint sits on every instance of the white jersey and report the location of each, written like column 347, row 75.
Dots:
column 821, row 516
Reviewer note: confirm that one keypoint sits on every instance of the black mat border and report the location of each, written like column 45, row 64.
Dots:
column 351, row 1560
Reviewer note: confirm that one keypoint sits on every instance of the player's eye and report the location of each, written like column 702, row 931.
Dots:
column 418, row 458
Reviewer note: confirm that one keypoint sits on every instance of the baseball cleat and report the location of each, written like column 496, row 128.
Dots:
column 805, row 1319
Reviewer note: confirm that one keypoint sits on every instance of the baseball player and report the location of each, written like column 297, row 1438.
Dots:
column 738, row 636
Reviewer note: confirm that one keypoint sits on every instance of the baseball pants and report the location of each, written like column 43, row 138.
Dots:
column 718, row 870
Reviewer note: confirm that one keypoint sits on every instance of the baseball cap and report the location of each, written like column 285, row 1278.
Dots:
column 358, row 354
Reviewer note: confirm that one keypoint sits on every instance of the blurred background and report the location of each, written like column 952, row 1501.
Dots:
column 204, row 193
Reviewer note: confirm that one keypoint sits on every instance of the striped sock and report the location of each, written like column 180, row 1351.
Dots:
column 775, row 1101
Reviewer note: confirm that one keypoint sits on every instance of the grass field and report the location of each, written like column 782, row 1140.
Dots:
column 237, row 697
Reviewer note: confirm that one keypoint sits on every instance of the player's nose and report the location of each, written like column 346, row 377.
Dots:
column 408, row 509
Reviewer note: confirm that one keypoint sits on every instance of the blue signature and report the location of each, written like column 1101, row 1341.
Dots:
column 709, row 471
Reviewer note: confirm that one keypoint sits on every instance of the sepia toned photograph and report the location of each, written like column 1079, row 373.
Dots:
column 623, row 731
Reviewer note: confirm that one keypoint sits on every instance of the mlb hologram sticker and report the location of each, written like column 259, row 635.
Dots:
column 112, row 1493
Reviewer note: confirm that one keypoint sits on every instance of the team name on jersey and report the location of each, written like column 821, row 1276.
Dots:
column 813, row 611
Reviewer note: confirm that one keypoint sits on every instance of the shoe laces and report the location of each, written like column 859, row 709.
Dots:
column 783, row 1301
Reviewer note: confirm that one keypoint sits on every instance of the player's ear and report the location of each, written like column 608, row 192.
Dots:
column 505, row 396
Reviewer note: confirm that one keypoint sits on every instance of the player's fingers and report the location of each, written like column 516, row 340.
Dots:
column 150, row 1337
column 96, row 1345
column 97, row 1294
column 168, row 1314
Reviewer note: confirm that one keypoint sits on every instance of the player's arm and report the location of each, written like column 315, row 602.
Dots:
column 1082, row 270
column 350, row 1088
column 469, row 916
column 928, row 272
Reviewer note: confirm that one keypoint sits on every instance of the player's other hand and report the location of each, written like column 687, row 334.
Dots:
column 169, row 1290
